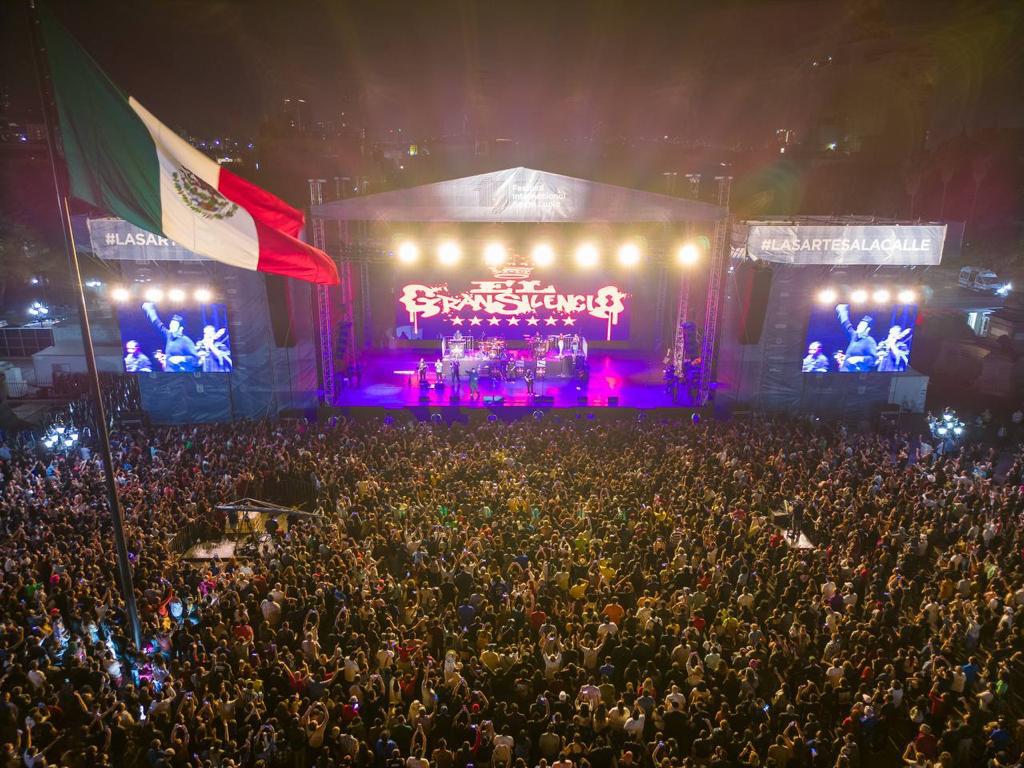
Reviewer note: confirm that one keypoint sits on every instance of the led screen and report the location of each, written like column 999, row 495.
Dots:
column 158, row 337
column 511, row 302
column 859, row 339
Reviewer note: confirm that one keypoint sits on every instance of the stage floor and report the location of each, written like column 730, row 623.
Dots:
column 388, row 379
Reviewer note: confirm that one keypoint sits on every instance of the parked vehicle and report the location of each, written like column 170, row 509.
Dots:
column 983, row 281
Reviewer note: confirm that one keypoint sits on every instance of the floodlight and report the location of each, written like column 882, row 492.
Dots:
column 543, row 255
column 688, row 254
column 408, row 252
column 907, row 296
column 495, row 254
column 587, row 255
column 120, row 293
column 881, row 296
column 629, row 254
column 202, row 295
column 154, row 294
column 176, row 294
column 449, row 253
column 827, row 296
column 859, row 296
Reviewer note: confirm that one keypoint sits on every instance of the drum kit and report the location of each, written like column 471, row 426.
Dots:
column 493, row 347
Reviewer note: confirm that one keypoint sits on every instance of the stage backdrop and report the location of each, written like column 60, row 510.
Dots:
column 512, row 301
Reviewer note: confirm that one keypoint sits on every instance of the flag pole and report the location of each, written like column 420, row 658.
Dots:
column 124, row 569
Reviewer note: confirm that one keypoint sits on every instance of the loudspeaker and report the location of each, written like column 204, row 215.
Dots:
column 279, row 299
column 690, row 350
column 753, row 287
column 613, row 401
column 494, row 400
column 544, row 400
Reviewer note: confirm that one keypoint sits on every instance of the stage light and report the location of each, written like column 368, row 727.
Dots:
column 859, row 296
column 202, row 295
column 543, row 255
column 154, row 294
column 176, row 294
column 881, row 296
column 120, row 293
column 587, row 256
column 408, row 252
column 907, row 296
column 495, row 254
column 449, row 253
column 629, row 254
column 688, row 254
column 827, row 296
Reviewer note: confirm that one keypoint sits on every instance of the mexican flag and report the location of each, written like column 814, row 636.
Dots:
column 122, row 159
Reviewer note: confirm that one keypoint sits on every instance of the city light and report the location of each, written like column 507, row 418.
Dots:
column 881, row 296
column 120, row 293
column 906, row 296
column 688, row 254
column 587, row 256
column 449, row 253
column 543, row 255
column 629, row 254
column 176, row 295
column 827, row 296
column 60, row 438
column 408, row 252
column 495, row 254
column 38, row 309
column 154, row 294
column 202, row 295
column 859, row 296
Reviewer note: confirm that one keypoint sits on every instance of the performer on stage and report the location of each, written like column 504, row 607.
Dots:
column 815, row 362
column 671, row 380
column 179, row 353
column 438, row 372
column 862, row 352
column 456, row 375
column 894, row 351
column 421, row 372
column 529, row 376
column 135, row 360
column 214, row 354
column 474, row 383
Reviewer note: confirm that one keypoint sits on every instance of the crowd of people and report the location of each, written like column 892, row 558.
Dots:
column 542, row 594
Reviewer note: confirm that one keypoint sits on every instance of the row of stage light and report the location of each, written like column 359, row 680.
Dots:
column 156, row 295
column 587, row 255
column 877, row 296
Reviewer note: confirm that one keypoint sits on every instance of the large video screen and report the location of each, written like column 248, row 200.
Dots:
column 859, row 339
column 511, row 302
column 174, row 338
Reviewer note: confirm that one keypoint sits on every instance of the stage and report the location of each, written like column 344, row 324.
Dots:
column 617, row 378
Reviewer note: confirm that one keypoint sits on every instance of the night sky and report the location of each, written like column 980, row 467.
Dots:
column 546, row 70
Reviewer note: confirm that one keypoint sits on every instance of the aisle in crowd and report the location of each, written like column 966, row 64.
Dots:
column 536, row 595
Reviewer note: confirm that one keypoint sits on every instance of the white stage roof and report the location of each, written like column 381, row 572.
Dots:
column 518, row 195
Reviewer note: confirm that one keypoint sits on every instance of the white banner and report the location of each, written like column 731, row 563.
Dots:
column 117, row 240
column 881, row 244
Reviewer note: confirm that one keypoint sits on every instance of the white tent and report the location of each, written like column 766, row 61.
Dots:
column 518, row 195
